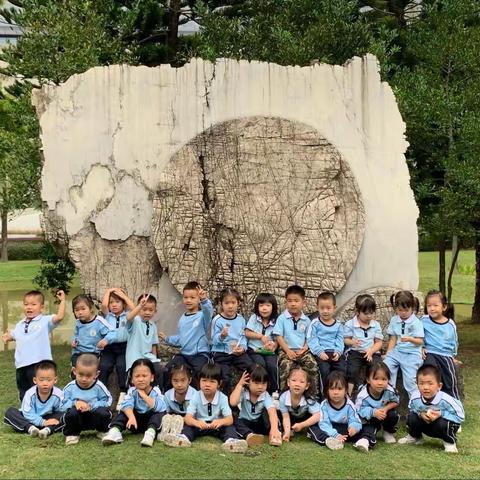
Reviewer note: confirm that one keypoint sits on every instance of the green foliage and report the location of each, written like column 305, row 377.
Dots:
column 56, row 272
column 25, row 250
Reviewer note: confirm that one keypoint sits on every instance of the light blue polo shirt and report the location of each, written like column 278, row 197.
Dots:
column 118, row 324
column 202, row 409
column 175, row 407
column 305, row 406
column 34, row 408
column 236, row 333
column 253, row 411
column 141, row 337
column 294, row 332
column 440, row 338
column 134, row 401
column 255, row 324
column 32, row 340
column 367, row 336
column 88, row 334
column 411, row 327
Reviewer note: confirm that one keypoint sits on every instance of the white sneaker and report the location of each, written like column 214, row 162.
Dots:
column 459, row 429
column 276, row 400
column 176, row 424
column 362, row 445
column 409, row 440
column 334, row 443
column 389, row 437
column 44, row 433
column 72, row 439
column 148, row 438
column 113, row 436
column 177, row 440
column 450, row 447
column 120, row 400
column 33, row 431
column 235, row 445
column 101, row 435
column 165, row 427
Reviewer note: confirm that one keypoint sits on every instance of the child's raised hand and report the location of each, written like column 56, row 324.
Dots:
column 244, row 379
column 7, row 337
column 144, row 299
column 60, row 295
column 132, row 423
column 351, row 431
column 323, row 356
column 202, row 293
column 162, row 336
column 102, row 344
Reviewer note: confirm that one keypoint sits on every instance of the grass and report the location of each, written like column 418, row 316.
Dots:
column 21, row 456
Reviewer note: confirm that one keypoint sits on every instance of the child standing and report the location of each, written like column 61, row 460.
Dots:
column 325, row 339
column 261, row 344
column 433, row 412
column 40, row 414
column 258, row 415
column 441, row 340
column 209, row 414
column 298, row 408
column 229, row 343
column 290, row 331
column 193, row 325
column 85, row 401
column 376, row 405
column 142, row 408
column 32, row 337
column 339, row 420
column 404, row 349
column 363, row 335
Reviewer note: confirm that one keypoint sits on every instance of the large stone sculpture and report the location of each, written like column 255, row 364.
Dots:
column 233, row 173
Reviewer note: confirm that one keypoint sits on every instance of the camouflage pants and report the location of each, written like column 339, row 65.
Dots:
column 306, row 361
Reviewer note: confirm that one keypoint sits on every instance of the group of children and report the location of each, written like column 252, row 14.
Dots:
column 297, row 374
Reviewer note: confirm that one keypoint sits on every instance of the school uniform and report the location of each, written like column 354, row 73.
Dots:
column 175, row 407
column 34, row 411
column 294, row 332
column 328, row 339
column 441, row 344
column 32, row 339
column 303, row 411
column 201, row 409
column 99, row 415
column 355, row 355
column 192, row 338
column 405, row 355
column 445, row 427
column 269, row 362
column 113, row 355
column 253, row 417
column 147, row 417
column 366, row 403
column 336, row 421
column 222, row 347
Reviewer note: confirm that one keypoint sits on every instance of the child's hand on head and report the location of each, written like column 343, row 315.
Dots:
column 132, row 423
column 102, row 344
column 202, row 293
column 244, row 379
column 119, row 293
column 323, row 356
column 60, row 295
column 162, row 336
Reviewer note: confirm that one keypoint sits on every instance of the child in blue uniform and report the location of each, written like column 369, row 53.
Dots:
column 298, row 408
column 85, row 401
column 92, row 332
column 177, row 400
column 376, row 405
column 258, row 415
column 192, row 330
column 325, row 339
column 441, row 340
column 229, row 344
column 290, row 331
column 432, row 412
column 261, row 344
column 40, row 414
column 142, row 408
column 209, row 414
column 404, row 349
column 363, row 336
column 339, row 422
column 32, row 337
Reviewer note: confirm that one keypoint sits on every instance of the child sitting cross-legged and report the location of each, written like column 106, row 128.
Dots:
column 209, row 414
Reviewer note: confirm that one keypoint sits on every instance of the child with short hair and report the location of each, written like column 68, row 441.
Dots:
column 433, row 412
column 325, row 339
column 229, row 343
column 142, row 408
column 364, row 338
column 404, row 350
column 261, row 345
column 290, row 331
column 32, row 337
column 441, row 340
column 209, row 414
column 40, row 414
column 376, row 405
column 85, row 401
column 339, row 422
column 258, row 415
column 192, row 330
column 298, row 408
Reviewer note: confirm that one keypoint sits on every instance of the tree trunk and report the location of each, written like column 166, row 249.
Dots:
column 4, row 241
column 476, row 302
column 442, row 246
column 455, row 252
column 173, row 18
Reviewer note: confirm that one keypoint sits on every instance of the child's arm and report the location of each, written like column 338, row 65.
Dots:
column 136, row 310
column 68, row 400
column 206, row 306
column 8, row 337
column 191, row 421
column 415, row 340
column 58, row 317
column 146, row 398
column 376, row 347
column 392, row 341
column 235, row 396
column 132, row 421
column 222, row 422
column 286, row 426
column 105, row 300
column 273, row 418
column 315, row 418
column 351, row 342
column 313, row 338
column 109, row 336
column 104, row 398
column 339, row 345
column 30, row 414
column 354, row 422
